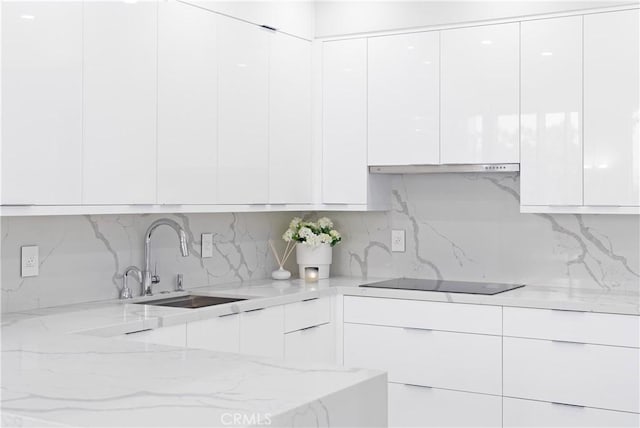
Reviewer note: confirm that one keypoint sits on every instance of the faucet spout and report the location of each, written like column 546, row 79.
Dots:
column 148, row 279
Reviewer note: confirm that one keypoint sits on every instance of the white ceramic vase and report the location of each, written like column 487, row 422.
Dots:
column 320, row 257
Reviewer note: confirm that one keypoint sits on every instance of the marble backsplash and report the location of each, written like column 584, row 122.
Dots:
column 458, row 226
column 468, row 227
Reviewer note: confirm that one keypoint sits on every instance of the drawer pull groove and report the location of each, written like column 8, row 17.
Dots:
column 427, row 330
column 567, row 405
column 228, row 315
column 413, row 385
column 139, row 331
column 310, row 300
column 567, row 342
column 255, row 310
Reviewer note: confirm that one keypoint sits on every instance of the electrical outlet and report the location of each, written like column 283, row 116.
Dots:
column 397, row 241
column 207, row 245
column 30, row 261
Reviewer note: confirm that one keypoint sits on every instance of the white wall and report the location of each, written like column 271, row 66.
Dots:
column 334, row 18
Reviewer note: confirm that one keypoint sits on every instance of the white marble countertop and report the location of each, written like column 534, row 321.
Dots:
column 56, row 370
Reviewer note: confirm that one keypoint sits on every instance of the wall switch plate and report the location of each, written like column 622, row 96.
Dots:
column 207, row 245
column 397, row 241
column 30, row 261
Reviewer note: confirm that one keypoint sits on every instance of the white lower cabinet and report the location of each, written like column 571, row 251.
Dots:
column 417, row 406
column 467, row 362
column 605, row 377
column 215, row 334
column 528, row 413
column 312, row 344
column 262, row 332
column 175, row 335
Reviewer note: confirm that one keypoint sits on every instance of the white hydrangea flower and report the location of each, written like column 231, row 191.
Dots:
column 335, row 234
column 325, row 238
column 325, row 222
column 313, row 240
column 288, row 235
column 305, row 232
column 295, row 222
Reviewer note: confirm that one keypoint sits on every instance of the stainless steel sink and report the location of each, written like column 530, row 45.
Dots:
column 191, row 301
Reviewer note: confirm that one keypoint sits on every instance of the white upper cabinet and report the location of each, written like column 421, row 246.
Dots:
column 479, row 95
column 290, row 150
column 120, row 52
column 612, row 108
column 294, row 17
column 551, row 145
column 41, row 103
column 344, row 117
column 404, row 99
column 243, row 113
column 187, row 105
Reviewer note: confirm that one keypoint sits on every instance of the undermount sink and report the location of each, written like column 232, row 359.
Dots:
column 191, row 301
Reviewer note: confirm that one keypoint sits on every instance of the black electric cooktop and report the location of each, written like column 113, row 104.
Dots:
column 487, row 288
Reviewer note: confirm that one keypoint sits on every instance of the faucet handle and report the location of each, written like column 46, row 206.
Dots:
column 155, row 278
column 179, row 282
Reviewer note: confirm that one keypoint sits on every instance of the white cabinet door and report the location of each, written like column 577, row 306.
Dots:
column 427, row 357
column 216, row 334
column 172, row 336
column 344, row 122
column 606, row 377
column 290, row 157
column 612, row 108
column 404, row 97
column 187, row 105
column 417, row 406
column 262, row 332
column 120, row 102
column 551, row 119
column 528, row 413
column 313, row 345
column 480, row 82
column 41, row 103
column 243, row 116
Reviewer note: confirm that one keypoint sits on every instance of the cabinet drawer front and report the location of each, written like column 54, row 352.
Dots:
column 467, row 362
column 262, row 332
column 606, row 377
column 584, row 327
column 172, row 336
column 313, row 344
column 307, row 313
column 216, row 334
column 420, row 314
column 417, row 406
column 527, row 413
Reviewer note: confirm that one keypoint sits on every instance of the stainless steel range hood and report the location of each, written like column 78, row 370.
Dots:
column 433, row 169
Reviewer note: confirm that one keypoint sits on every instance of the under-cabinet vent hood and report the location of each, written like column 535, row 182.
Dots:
column 431, row 169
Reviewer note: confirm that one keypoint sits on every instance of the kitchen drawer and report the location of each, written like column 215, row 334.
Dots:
column 417, row 406
column 262, row 332
column 313, row 344
column 421, row 314
column 307, row 313
column 175, row 335
column 527, row 413
column 467, row 362
column 606, row 377
column 216, row 334
column 584, row 327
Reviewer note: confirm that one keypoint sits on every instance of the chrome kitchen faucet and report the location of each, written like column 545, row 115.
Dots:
column 148, row 279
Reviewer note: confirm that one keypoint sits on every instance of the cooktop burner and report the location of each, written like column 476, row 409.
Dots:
column 487, row 288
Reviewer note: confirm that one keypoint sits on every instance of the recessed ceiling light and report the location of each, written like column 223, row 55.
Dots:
column 28, row 17
column 486, row 42
column 546, row 53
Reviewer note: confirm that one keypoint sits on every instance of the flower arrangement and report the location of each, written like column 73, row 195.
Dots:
column 312, row 234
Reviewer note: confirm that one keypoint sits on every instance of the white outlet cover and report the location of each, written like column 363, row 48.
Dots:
column 30, row 261
column 398, row 241
column 207, row 245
